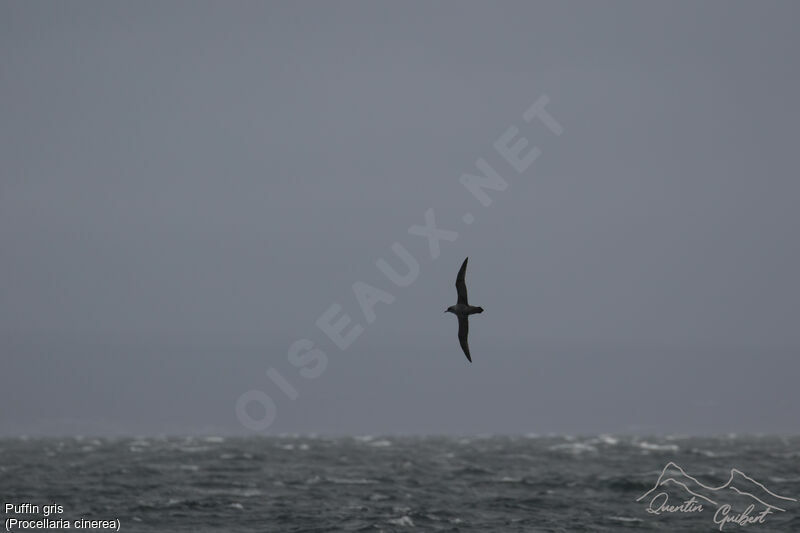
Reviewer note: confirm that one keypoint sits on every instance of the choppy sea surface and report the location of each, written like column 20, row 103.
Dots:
column 293, row 484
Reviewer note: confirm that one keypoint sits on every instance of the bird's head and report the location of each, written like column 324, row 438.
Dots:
column 449, row 310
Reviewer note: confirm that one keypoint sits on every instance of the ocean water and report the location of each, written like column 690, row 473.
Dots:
column 295, row 484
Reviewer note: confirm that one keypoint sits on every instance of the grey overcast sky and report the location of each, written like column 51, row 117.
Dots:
column 187, row 186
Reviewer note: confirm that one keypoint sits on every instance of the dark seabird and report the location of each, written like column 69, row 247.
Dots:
column 462, row 309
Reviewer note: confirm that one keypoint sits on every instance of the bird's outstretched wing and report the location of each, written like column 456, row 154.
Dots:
column 463, row 331
column 461, row 288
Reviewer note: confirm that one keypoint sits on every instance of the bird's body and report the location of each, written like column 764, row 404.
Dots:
column 462, row 309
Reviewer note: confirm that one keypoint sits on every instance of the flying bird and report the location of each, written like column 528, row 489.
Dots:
column 462, row 309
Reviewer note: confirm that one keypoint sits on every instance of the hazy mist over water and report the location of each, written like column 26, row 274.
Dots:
column 187, row 187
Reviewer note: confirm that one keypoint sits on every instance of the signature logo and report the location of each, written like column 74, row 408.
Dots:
column 741, row 500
